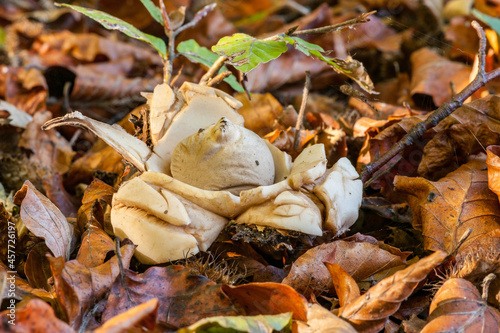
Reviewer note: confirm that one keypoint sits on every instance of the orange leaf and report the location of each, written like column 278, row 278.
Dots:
column 268, row 298
column 345, row 286
column 458, row 307
column 369, row 312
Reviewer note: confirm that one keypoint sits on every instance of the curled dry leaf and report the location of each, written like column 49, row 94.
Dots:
column 94, row 194
column 457, row 306
column 78, row 288
column 268, row 298
column 445, row 209
column 249, row 324
column 369, row 312
column 96, row 244
column 260, row 113
column 45, row 220
column 142, row 316
column 35, row 316
column 183, row 298
column 359, row 259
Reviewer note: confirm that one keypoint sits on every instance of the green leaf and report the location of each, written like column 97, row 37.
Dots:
column 249, row 324
column 114, row 23
column 153, row 10
column 200, row 54
column 349, row 67
column 245, row 52
column 493, row 22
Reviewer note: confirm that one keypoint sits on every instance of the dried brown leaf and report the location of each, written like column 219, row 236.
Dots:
column 431, row 76
column 345, row 286
column 260, row 113
column 446, row 209
column 359, row 259
column 268, row 298
column 457, row 306
column 183, row 298
column 320, row 320
column 142, row 315
column 45, row 220
column 35, row 316
column 369, row 312
column 78, row 288
column 95, row 247
column 52, row 155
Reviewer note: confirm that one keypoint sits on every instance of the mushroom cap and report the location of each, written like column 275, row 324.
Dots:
column 223, row 156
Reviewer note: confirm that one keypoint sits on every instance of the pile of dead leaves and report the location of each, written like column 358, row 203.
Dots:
column 423, row 256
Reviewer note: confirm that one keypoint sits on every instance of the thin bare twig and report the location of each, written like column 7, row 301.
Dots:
column 360, row 19
column 416, row 133
column 307, row 87
column 213, row 70
column 122, row 269
column 218, row 79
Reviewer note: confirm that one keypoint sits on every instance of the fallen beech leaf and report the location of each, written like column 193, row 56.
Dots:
column 142, row 315
column 345, row 286
column 95, row 247
column 431, row 77
column 320, row 320
column 445, row 209
column 250, row 324
column 35, row 316
column 78, row 287
column 45, row 220
column 457, row 306
column 183, row 298
column 369, row 312
column 359, row 259
column 260, row 113
column 268, row 298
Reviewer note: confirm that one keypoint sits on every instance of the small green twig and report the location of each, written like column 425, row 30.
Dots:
column 307, row 87
column 416, row 133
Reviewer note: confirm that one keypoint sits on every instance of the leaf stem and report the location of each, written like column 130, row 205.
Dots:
column 416, row 133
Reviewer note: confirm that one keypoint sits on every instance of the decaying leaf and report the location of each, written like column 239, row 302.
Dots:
column 457, row 306
column 45, row 220
column 359, row 259
column 183, row 298
column 369, row 312
column 445, row 209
